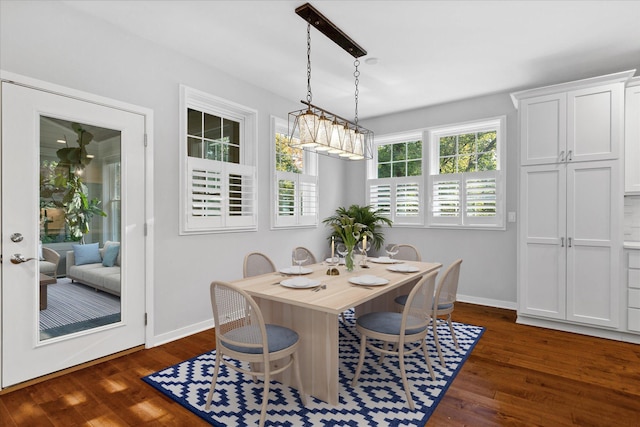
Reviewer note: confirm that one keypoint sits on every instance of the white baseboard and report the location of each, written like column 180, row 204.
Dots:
column 181, row 333
column 579, row 329
column 487, row 301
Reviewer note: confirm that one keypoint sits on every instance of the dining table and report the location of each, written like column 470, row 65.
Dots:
column 314, row 311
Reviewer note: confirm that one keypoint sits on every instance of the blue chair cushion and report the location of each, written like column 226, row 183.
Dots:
column 385, row 322
column 278, row 338
column 402, row 300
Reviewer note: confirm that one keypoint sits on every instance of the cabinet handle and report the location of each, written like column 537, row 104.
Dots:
column 562, row 242
column 569, row 155
column 562, row 156
column 569, row 242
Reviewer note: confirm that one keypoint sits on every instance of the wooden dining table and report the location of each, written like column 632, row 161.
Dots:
column 315, row 314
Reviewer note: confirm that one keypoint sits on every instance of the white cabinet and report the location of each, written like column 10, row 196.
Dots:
column 570, row 201
column 633, row 290
column 632, row 139
column 569, row 242
column 579, row 125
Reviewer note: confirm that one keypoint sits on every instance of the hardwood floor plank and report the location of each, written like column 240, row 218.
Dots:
column 517, row 375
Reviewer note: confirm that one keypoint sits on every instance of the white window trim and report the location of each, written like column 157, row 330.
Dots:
column 395, row 183
column 279, row 125
column 248, row 119
column 464, row 221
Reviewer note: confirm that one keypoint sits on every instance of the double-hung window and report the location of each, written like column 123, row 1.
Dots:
column 395, row 181
column 295, row 187
column 218, row 142
column 466, row 175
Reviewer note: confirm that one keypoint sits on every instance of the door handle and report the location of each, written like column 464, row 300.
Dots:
column 569, row 155
column 569, row 242
column 19, row 259
column 562, row 156
column 562, row 242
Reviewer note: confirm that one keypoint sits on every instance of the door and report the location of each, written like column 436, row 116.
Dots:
column 26, row 354
column 594, row 242
column 542, row 238
column 543, row 132
column 595, row 123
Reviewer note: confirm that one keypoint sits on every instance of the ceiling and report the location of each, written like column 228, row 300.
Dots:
column 428, row 52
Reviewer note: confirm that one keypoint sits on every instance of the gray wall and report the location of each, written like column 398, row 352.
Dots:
column 488, row 273
column 55, row 43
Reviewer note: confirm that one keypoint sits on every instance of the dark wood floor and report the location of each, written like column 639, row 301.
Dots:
column 516, row 376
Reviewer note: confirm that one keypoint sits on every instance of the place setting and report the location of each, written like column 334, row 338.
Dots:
column 302, row 283
column 391, row 250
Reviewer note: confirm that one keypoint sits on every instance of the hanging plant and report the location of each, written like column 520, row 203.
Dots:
column 79, row 210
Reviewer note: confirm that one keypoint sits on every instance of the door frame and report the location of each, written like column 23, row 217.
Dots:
column 32, row 83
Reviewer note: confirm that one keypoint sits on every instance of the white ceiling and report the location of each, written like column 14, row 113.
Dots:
column 429, row 52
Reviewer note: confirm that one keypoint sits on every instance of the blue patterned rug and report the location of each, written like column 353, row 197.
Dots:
column 378, row 398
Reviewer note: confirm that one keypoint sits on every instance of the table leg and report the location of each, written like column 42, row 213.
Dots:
column 43, row 297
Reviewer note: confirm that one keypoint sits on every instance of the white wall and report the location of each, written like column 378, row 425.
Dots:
column 51, row 42
column 488, row 273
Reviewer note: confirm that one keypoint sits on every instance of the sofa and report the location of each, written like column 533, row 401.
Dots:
column 96, row 267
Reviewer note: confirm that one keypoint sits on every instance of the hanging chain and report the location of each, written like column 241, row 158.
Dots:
column 356, row 74
column 309, row 63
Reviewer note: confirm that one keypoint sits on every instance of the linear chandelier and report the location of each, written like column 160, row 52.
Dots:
column 316, row 128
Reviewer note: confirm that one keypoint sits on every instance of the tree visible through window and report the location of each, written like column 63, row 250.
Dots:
column 469, row 152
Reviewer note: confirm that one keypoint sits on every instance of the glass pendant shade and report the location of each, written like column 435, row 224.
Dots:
column 335, row 142
column 308, row 127
column 324, row 134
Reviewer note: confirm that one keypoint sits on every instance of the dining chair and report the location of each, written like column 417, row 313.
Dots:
column 242, row 335
column 312, row 258
column 407, row 252
column 256, row 263
column 445, row 298
column 379, row 329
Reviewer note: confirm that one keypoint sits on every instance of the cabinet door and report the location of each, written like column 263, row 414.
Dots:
column 632, row 141
column 594, row 251
column 542, row 255
column 543, row 131
column 595, row 123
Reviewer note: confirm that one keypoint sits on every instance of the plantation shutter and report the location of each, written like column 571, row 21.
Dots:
column 297, row 199
column 397, row 198
column 220, row 194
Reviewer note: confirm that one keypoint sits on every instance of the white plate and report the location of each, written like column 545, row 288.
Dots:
column 403, row 268
column 300, row 283
column 341, row 262
column 296, row 270
column 368, row 280
column 384, row 260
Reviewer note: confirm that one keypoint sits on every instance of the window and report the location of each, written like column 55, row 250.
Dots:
column 218, row 142
column 466, row 185
column 295, row 192
column 395, row 178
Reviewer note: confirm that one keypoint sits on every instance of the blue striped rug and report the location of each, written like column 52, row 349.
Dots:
column 73, row 307
column 378, row 398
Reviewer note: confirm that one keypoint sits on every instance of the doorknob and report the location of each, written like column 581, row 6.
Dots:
column 19, row 259
column 16, row 237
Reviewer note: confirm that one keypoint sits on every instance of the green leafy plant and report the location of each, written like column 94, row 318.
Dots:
column 369, row 220
column 79, row 210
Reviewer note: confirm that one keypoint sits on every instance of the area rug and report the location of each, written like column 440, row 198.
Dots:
column 73, row 307
column 378, row 398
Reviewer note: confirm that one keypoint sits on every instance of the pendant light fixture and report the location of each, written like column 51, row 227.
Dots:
column 318, row 129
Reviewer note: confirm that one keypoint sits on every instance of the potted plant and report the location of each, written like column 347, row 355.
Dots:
column 369, row 218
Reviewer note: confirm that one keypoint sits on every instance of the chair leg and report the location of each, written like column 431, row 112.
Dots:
column 296, row 371
column 213, row 381
column 428, row 359
column 435, row 338
column 453, row 334
column 363, row 348
column 265, row 398
column 405, row 382
column 385, row 346
column 343, row 318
